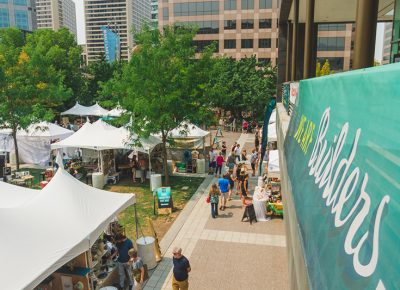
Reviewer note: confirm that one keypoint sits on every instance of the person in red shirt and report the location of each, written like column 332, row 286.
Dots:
column 220, row 161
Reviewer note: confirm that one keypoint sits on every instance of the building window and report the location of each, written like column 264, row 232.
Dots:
column 265, row 23
column 265, row 4
column 335, row 63
column 332, row 27
column 229, row 43
column 264, row 60
column 247, row 23
column 331, row 43
column 204, row 27
column 202, row 44
column 21, row 19
column 230, row 5
column 196, row 8
column 4, row 1
column 20, row 2
column 247, row 4
column 264, row 43
column 4, row 18
column 229, row 24
column 165, row 13
column 247, row 43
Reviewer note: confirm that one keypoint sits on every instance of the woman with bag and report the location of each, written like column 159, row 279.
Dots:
column 137, row 269
column 245, row 188
column 213, row 197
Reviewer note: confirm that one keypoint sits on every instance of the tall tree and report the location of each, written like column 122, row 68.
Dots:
column 30, row 86
column 244, row 85
column 64, row 54
column 163, row 84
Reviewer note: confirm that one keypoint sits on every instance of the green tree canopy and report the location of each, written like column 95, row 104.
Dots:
column 30, row 86
column 163, row 84
column 244, row 85
column 64, row 54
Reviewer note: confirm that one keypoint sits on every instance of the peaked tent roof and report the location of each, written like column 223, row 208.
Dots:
column 273, row 162
column 79, row 110
column 45, row 129
column 59, row 223
column 102, row 136
column 272, row 132
column 12, row 196
column 116, row 112
column 188, row 130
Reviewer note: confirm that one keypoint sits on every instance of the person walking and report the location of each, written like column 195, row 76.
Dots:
column 137, row 268
column 237, row 152
column 213, row 162
column 220, row 162
column 134, row 165
column 223, row 184
column 253, row 161
column 123, row 245
column 231, row 178
column 245, row 188
column 142, row 166
column 214, row 198
column 181, row 270
column 244, row 155
column 233, row 147
column 223, row 150
column 231, row 162
column 238, row 178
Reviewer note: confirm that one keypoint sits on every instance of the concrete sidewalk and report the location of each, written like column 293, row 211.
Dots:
column 225, row 253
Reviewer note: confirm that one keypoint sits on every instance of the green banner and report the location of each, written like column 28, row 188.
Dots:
column 343, row 156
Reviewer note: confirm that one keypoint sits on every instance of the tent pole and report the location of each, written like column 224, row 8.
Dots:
column 148, row 151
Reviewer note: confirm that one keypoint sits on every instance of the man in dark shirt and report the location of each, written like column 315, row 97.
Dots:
column 180, row 278
column 124, row 269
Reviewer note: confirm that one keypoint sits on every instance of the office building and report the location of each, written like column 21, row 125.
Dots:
column 54, row 14
column 250, row 27
column 154, row 13
column 335, row 43
column 387, row 38
column 122, row 16
column 17, row 13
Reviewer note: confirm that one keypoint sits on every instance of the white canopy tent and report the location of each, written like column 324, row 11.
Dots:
column 272, row 119
column 188, row 134
column 272, row 133
column 102, row 136
column 34, row 142
column 273, row 164
column 79, row 110
column 116, row 112
column 53, row 226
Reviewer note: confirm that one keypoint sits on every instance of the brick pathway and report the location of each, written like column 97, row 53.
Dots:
column 225, row 253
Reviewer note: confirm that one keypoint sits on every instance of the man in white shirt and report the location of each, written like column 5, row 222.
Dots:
column 238, row 151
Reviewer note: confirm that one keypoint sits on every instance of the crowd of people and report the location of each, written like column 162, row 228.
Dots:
column 236, row 178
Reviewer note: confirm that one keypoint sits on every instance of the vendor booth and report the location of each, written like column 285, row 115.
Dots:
column 51, row 235
column 34, row 142
column 104, row 139
column 187, row 140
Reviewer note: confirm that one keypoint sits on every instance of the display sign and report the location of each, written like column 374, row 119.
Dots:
column 111, row 44
column 164, row 197
column 342, row 155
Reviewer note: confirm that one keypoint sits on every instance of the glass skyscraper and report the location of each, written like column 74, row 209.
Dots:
column 17, row 13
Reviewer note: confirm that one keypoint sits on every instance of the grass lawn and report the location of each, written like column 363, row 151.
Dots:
column 144, row 204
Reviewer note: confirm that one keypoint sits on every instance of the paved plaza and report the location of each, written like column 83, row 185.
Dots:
column 225, row 253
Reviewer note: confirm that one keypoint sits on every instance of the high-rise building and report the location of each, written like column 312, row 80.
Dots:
column 387, row 38
column 154, row 13
column 17, row 13
column 55, row 14
column 335, row 45
column 122, row 16
column 250, row 27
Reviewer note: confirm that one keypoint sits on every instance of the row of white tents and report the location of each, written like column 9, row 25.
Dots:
column 95, row 110
column 36, row 143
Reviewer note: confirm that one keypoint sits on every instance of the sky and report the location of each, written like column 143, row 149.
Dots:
column 81, row 30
